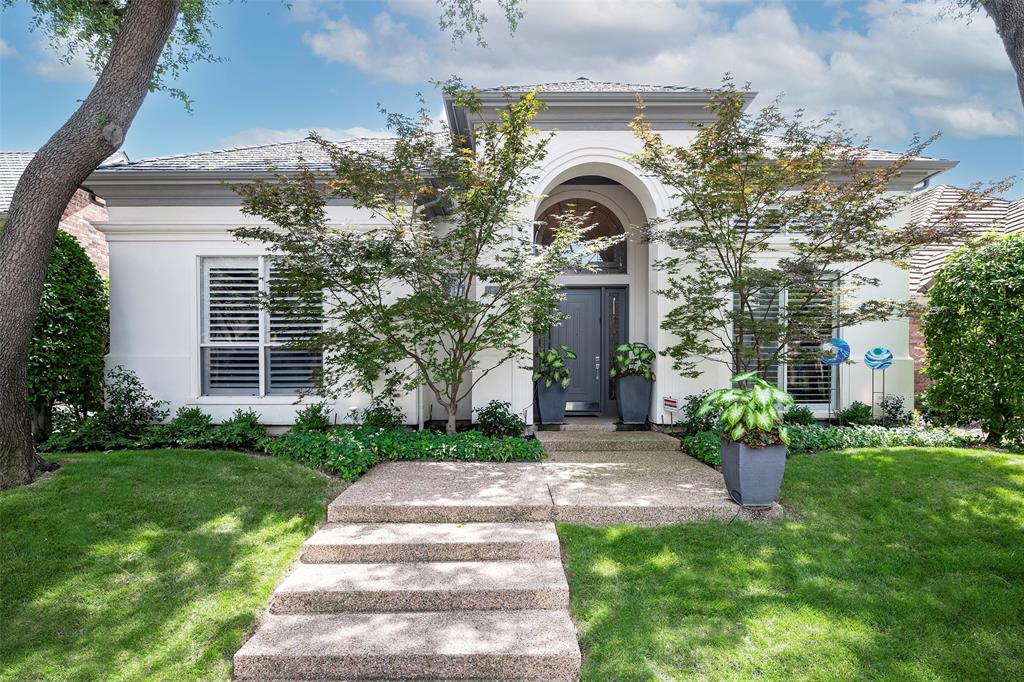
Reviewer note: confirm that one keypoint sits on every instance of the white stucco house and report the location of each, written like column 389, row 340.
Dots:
column 175, row 269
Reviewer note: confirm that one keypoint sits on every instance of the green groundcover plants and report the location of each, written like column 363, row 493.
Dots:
column 350, row 452
column 814, row 438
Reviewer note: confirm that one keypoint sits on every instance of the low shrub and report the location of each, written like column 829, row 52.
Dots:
column 817, row 438
column 128, row 412
column 496, row 419
column 242, row 431
column 90, row 433
column 383, row 414
column 705, row 446
column 799, row 414
column 893, row 413
column 313, row 417
column 129, row 407
column 689, row 423
column 857, row 414
column 192, row 428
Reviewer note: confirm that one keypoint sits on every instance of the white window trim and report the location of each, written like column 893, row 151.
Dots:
column 263, row 266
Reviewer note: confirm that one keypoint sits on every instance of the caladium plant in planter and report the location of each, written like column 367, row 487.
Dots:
column 754, row 438
column 631, row 369
column 550, row 382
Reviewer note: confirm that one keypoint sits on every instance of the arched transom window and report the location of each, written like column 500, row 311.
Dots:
column 605, row 224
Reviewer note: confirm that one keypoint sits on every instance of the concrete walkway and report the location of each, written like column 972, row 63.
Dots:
column 451, row 570
column 591, row 478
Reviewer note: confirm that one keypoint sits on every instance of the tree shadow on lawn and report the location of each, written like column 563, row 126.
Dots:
column 153, row 564
column 904, row 564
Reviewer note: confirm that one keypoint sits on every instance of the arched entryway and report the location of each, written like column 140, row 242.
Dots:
column 597, row 301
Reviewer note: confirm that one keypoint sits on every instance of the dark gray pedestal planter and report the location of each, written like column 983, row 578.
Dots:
column 753, row 475
column 633, row 396
column 550, row 402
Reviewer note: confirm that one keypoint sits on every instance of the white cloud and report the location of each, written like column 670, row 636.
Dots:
column 970, row 122
column 905, row 68
column 6, row 49
column 255, row 136
column 54, row 62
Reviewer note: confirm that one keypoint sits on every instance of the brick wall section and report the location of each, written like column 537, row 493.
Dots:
column 78, row 220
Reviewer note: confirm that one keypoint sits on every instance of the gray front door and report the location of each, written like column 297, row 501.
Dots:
column 596, row 324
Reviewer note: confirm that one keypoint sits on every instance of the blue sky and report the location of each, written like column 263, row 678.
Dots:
column 888, row 68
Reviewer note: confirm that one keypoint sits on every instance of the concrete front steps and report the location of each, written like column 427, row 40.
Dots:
column 383, row 542
column 419, row 601
column 466, row 645
column 598, row 441
column 423, row 586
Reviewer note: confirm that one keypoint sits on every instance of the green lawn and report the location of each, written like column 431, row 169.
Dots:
column 905, row 564
column 146, row 565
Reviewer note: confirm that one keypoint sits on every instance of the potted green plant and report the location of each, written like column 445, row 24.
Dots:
column 631, row 369
column 753, row 436
column 551, row 380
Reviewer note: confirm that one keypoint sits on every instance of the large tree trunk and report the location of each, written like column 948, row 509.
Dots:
column 92, row 134
column 1008, row 16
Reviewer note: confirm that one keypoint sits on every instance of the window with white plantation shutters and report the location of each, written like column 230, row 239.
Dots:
column 291, row 370
column 806, row 378
column 242, row 348
column 230, row 351
column 764, row 306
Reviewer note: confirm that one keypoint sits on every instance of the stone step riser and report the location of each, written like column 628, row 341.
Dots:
column 338, row 554
column 426, row 586
column 437, row 514
column 580, row 428
column 460, row 645
column 295, row 603
column 620, row 441
column 425, row 542
column 421, row 667
column 593, row 445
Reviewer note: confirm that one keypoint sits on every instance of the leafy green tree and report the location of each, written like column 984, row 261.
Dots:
column 69, row 340
column 448, row 271
column 974, row 337
column 135, row 47
column 127, row 43
column 768, row 204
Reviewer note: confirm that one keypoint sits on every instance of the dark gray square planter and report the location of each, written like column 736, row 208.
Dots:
column 633, row 396
column 550, row 402
column 753, row 475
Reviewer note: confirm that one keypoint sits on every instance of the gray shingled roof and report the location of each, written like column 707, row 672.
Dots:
column 12, row 165
column 1000, row 215
column 282, row 156
column 582, row 84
